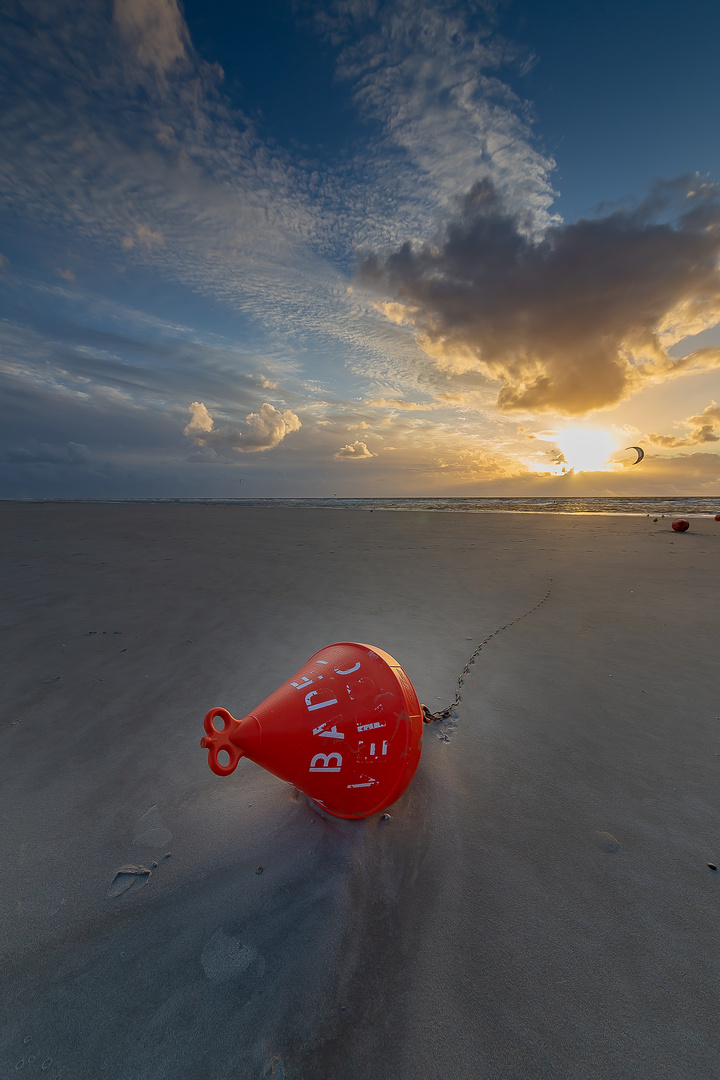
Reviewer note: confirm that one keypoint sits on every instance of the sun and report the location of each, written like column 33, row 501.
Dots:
column 585, row 449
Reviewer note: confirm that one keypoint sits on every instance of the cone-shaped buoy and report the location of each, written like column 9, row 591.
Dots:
column 346, row 730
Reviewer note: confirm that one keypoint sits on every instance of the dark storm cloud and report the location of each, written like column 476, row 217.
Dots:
column 574, row 321
column 35, row 453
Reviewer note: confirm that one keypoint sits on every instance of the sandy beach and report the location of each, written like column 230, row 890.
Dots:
column 540, row 903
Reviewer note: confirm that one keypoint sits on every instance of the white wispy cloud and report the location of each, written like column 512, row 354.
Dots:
column 429, row 72
column 398, row 403
column 147, row 364
column 155, row 32
column 178, row 181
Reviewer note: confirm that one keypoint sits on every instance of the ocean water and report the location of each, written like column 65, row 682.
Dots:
column 655, row 506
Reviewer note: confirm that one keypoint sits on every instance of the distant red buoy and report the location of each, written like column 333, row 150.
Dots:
column 346, row 730
column 680, row 525
column 717, row 517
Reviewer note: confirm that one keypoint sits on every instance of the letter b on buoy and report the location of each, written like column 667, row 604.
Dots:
column 346, row 730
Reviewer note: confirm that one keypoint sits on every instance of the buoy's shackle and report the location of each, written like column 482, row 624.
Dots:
column 215, row 741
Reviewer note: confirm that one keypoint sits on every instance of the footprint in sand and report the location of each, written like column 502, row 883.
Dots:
column 41, row 906
column 128, row 878
column 225, row 959
column 151, row 830
column 607, row 842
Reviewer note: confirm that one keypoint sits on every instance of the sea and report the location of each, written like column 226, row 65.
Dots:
column 653, row 506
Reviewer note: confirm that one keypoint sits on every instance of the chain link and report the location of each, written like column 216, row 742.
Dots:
column 428, row 717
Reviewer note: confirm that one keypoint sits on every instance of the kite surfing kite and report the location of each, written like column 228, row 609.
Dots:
column 640, row 454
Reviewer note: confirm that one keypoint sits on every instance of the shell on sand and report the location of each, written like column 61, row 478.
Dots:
column 126, row 878
column 607, row 842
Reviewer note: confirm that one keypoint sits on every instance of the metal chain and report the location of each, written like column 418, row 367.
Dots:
column 428, row 717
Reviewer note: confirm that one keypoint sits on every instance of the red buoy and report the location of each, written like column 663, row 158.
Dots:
column 346, row 730
column 680, row 525
column 717, row 517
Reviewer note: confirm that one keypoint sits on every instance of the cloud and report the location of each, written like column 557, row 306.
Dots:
column 429, row 73
column 40, row 453
column 180, row 181
column 706, row 429
column 262, row 381
column 145, row 237
column 396, row 403
column 154, row 30
column 205, row 455
column 266, row 428
column 357, row 451
column 201, row 420
column 66, row 275
column 144, row 360
column 175, row 177
column 574, row 321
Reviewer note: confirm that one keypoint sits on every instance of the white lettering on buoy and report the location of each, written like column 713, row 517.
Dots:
column 367, row 727
column 333, row 733
column 319, row 704
column 300, row 685
column 326, row 766
column 349, row 671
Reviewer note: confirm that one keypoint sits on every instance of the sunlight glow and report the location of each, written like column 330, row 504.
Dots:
column 585, row 449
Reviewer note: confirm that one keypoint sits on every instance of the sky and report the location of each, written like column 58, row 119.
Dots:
column 359, row 248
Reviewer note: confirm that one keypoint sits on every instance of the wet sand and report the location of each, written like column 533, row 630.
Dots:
column 539, row 904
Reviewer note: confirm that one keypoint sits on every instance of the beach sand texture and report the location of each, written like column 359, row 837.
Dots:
column 539, row 904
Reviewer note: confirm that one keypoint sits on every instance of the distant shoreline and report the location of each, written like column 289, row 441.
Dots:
column 653, row 505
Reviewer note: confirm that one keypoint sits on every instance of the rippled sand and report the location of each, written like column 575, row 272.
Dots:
column 539, row 903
